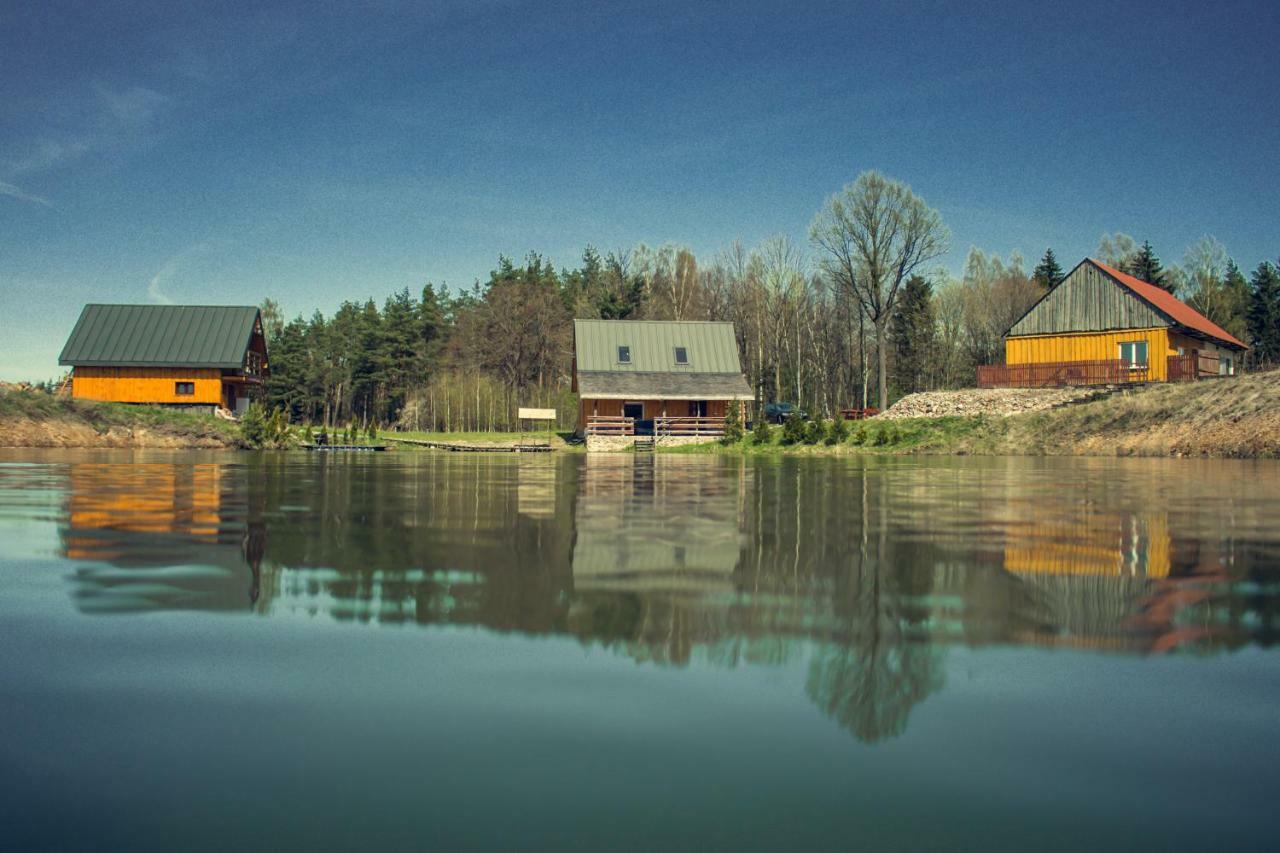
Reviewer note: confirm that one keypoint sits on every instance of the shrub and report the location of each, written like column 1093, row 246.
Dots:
column 308, row 435
column 373, row 431
column 259, row 429
column 253, row 426
column 815, row 431
column 760, row 433
column 732, row 424
column 858, row 435
column 793, row 430
column 887, row 434
column 839, row 431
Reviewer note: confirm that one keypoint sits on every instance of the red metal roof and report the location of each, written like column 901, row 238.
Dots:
column 1162, row 300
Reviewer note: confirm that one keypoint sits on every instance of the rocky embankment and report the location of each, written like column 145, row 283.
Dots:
column 987, row 401
column 34, row 418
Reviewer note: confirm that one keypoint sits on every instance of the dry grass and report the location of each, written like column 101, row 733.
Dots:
column 1236, row 416
column 31, row 418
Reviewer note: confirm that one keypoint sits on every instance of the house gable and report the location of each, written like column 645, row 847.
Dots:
column 1088, row 300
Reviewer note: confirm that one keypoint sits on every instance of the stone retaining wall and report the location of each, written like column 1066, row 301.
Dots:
column 615, row 443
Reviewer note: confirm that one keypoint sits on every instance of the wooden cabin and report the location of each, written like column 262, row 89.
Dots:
column 662, row 378
column 194, row 356
column 1102, row 326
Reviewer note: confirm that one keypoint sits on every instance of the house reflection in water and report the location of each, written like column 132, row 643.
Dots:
column 1106, row 579
column 657, row 542
column 152, row 536
column 863, row 572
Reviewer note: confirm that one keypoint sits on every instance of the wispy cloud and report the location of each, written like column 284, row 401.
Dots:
column 104, row 119
column 10, row 190
column 160, row 282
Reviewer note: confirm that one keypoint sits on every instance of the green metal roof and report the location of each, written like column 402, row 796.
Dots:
column 160, row 336
column 710, row 346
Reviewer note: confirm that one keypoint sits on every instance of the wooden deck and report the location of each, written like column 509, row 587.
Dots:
column 352, row 447
column 458, row 447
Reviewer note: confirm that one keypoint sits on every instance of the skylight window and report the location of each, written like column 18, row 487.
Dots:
column 624, row 355
column 682, row 355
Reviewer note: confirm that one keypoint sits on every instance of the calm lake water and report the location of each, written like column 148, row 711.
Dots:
column 439, row 651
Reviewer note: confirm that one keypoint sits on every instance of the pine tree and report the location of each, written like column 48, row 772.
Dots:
column 733, row 424
column 912, row 336
column 760, row 432
column 1049, row 272
column 1264, row 314
column 793, row 430
column 839, row 430
column 1237, row 289
column 1144, row 265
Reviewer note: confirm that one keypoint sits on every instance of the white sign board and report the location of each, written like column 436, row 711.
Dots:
column 537, row 414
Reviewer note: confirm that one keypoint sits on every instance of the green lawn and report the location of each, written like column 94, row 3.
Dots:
column 557, row 440
column 907, row 435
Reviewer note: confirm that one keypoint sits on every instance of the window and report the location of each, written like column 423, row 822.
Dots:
column 184, row 389
column 1134, row 354
column 682, row 355
column 624, row 355
column 1225, row 367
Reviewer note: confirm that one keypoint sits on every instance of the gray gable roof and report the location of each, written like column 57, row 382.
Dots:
column 160, row 336
column 710, row 346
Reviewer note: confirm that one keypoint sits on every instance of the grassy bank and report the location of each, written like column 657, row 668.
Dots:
column 37, row 419
column 913, row 435
column 558, row 440
column 1230, row 417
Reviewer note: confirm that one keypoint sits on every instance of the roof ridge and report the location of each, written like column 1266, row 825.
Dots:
column 1166, row 303
column 165, row 305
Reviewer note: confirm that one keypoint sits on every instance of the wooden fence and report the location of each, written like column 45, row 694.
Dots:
column 1192, row 366
column 691, row 426
column 1062, row 373
column 610, row 425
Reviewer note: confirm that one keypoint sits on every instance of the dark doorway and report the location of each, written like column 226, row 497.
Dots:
column 697, row 408
column 633, row 410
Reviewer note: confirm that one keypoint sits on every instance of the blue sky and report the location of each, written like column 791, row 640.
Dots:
column 316, row 152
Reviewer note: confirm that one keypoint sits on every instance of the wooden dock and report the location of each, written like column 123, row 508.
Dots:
column 351, row 447
column 474, row 448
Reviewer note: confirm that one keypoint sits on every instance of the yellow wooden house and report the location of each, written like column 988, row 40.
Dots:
column 194, row 356
column 1100, row 325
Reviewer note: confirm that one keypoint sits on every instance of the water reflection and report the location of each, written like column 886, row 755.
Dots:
column 864, row 572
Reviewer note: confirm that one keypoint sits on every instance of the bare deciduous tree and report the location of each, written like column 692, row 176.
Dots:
column 873, row 235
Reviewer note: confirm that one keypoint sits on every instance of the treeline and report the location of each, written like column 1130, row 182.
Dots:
column 854, row 318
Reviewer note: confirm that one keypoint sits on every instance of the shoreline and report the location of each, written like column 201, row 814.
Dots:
column 1235, row 417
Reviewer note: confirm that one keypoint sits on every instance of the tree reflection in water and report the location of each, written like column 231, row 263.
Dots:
column 870, row 567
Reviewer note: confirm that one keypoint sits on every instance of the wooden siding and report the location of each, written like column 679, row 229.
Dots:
column 1190, row 344
column 1138, row 545
column 652, row 408
column 147, row 384
column 1094, row 346
column 1088, row 301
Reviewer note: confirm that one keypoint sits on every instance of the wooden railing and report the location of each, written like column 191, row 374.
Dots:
column 1062, row 373
column 610, row 425
column 1193, row 365
column 688, row 426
